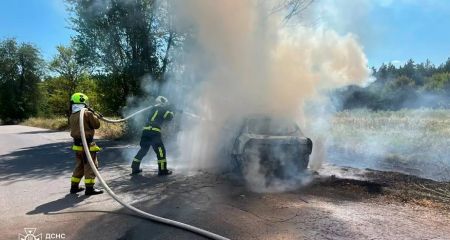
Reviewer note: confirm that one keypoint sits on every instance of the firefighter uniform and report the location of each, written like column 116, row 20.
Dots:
column 82, row 167
column 151, row 137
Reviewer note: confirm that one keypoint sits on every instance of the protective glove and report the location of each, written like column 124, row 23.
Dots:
column 94, row 112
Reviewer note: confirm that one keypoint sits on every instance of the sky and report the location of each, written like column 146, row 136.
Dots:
column 43, row 23
column 393, row 30
column 389, row 30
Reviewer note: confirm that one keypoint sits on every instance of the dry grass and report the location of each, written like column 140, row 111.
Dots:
column 428, row 121
column 106, row 131
column 412, row 141
column 111, row 131
column 58, row 123
column 411, row 189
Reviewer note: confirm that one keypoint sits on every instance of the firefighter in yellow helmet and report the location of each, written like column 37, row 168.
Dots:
column 78, row 101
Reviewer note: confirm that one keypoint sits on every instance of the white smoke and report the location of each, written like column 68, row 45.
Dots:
column 244, row 60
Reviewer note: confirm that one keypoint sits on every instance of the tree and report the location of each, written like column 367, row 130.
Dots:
column 66, row 65
column 57, row 102
column 55, row 88
column 445, row 67
column 60, row 89
column 425, row 69
column 125, row 40
column 20, row 73
column 402, row 82
column 439, row 82
column 292, row 7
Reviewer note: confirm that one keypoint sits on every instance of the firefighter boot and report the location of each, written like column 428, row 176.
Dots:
column 90, row 190
column 162, row 168
column 74, row 188
column 135, row 166
column 164, row 172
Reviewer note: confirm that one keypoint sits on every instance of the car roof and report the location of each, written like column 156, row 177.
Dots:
column 265, row 117
column 261, row 117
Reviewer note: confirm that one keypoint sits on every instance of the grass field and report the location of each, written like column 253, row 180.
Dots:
column 411, row 141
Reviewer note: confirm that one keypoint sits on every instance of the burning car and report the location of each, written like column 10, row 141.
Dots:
column 273, row 147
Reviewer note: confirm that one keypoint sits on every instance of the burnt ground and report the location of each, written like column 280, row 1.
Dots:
column 389, row 187
column 411, row 189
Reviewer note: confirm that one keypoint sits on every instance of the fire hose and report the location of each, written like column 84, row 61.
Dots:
column 126, row 205
column 117, row 120
column 192, row 115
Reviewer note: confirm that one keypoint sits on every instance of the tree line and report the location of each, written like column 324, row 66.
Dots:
column 411, row 85
column 29, row 86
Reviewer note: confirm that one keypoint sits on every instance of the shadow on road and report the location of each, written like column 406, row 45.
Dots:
column 128, row 214
column 50, row 160
column 41, row 131
column 68, row 201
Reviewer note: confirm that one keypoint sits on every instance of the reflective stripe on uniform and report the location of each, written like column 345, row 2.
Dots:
column 89, row 180
column 161, row 154
column 162, row 161
column 77, row 148
column 150, row 128
column 154, row 116
column 136, row 160
column 94, row 148
column 167, row 113
column 162, row 164
column 75, row 180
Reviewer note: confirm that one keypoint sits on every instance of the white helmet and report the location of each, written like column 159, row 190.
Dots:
column 160, row 100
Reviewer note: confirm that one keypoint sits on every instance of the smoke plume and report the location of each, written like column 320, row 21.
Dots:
column 244, row 59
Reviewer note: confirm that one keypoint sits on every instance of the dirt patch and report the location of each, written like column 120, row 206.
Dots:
column 390, row 187
column 353, row 184
column 412, row 189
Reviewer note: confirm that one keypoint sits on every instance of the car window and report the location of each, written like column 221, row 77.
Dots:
column 270, row 126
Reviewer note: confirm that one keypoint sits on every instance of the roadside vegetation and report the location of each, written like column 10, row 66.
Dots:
column 411, row 85
column 415, row 142
column 412, row 141
column 56, row 123
column 106, row 131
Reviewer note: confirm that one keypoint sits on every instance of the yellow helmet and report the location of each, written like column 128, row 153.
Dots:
column 78, row 98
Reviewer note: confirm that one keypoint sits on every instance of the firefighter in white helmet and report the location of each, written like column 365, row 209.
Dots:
column 151, row 137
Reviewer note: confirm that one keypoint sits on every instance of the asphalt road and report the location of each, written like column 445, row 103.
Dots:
column 35, row 170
